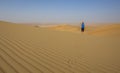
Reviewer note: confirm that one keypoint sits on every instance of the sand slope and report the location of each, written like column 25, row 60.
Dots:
column 29, row 49
column 107, row 30
column 98, row 30
column 65, row 27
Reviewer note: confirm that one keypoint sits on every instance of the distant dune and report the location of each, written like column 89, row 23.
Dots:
column 107, row 30
column 65, row 27
column 31, row 49
column 100, row 30
column 4, row 22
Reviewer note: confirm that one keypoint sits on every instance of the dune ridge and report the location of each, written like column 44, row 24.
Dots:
column 65, row 27
column 108, row 30
column 100, row 30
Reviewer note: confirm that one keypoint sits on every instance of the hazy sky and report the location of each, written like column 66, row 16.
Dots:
column 55, row 11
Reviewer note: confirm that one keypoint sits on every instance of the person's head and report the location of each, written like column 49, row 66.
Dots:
column 82, row 22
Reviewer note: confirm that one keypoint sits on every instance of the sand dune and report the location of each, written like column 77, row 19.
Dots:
column 107, row 30
column 29, row 49
column 64, row 27
column 100, row 30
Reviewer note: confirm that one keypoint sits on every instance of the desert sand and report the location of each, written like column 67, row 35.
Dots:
column 30, row 49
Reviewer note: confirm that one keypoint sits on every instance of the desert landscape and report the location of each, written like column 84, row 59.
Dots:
column 59, row 49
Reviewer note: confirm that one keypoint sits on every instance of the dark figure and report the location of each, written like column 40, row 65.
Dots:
column 82, row 27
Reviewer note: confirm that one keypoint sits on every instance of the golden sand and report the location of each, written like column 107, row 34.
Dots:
column 30, row 49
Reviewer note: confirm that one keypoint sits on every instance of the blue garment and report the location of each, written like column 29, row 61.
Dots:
column 83, row 25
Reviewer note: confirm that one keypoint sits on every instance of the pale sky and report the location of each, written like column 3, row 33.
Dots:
column 60, row 11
